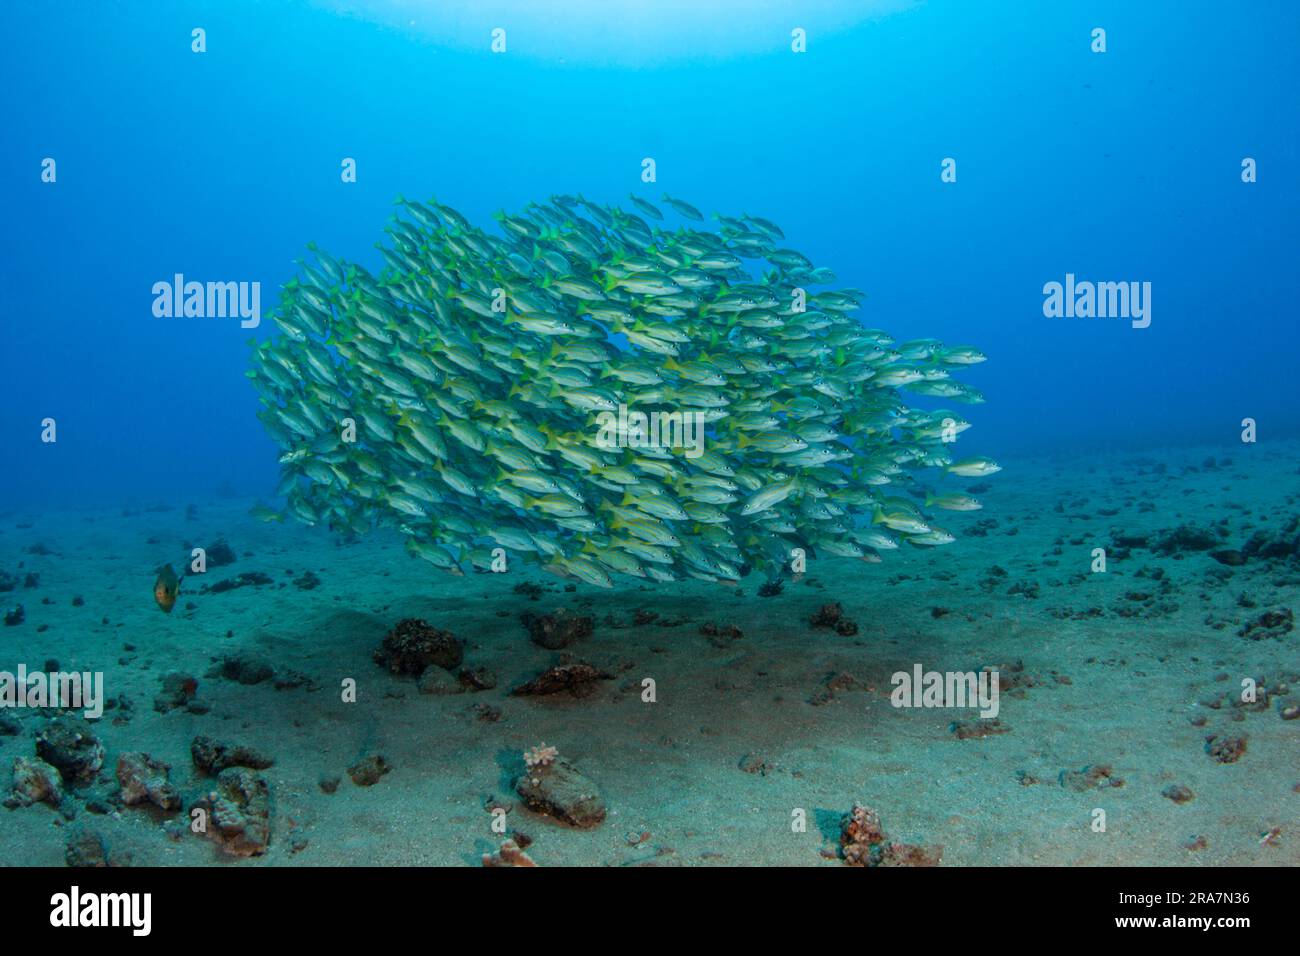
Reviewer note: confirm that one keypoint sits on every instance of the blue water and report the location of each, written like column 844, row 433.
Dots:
column 223, row 165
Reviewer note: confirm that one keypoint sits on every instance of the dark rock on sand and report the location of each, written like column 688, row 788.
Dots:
column 1225, row 749
column 239, row 813
column 477, row 678
column 35, row 781
column 243, row 669
column 832, row 616
column 558, row 790
column 1090, row 777
column 414, row 644
column 967, row 729
column 213, row 756
column 1185, row 537
column 177, row 691
column 220, row 553
column 1177, row 793
column 1270, row 624
column 245, row 580
column 435, row 680
column 85, row 848
column 863, row 843
column 68, row 744
column 143, row 779
column 557, row 630
column 578, row 679
column 367, row 771
column 721, row 635
column 1229, row 556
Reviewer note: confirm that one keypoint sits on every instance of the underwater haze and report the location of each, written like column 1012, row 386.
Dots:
column 1122, row 166
column 835, row 235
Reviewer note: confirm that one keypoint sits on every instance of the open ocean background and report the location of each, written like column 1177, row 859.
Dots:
column 222, row 166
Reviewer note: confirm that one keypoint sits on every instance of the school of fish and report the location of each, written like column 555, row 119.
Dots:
column 456, row 396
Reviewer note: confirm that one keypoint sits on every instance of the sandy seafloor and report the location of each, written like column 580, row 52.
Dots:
column 1124, row 667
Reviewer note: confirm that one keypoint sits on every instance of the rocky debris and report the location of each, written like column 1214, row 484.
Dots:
column 10, row 726
column 510, row 854
column 367, row 771
column 242, row 668
column 68, row 744
column 861, row 835
column 1185, row 537
column 477, row 678
column 8, row 582
column 863, row 843
column 834, row 683
column 143, row 779
column 35, row 781
column 757, row 763
column 1177, row 793
column 85, row 848
column 213, row 756
column 966, row 729
column 414, row 645
column 239, row 813
column 1271, row 624
column 721, row 635
column 307, row 581
column 1225, row 749
column 178, row 690
column 247, row 579
column 530, row 589
column 1271, row 546
column 220, row 553
column 557, row 630
column 1229, row 556
column 1093, row 776
column 578, row 679
column 288, row 678
column 437, row 681
column 832, row 616
column 556, row 789
column 329, row 782
column 487, row 713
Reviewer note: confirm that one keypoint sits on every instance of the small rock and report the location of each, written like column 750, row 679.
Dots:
column 367, row 771
column 35, row 781
column 85, row 848
column 213, row 756
column 68, row 744
column 435, row 680
column 558, row 630
column 243, row 669
column 578, row 679
column 178, row 690
column 1177, row 793
column 557, row 789
column 414, row 645
column 239, row 813
column 143, row 779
